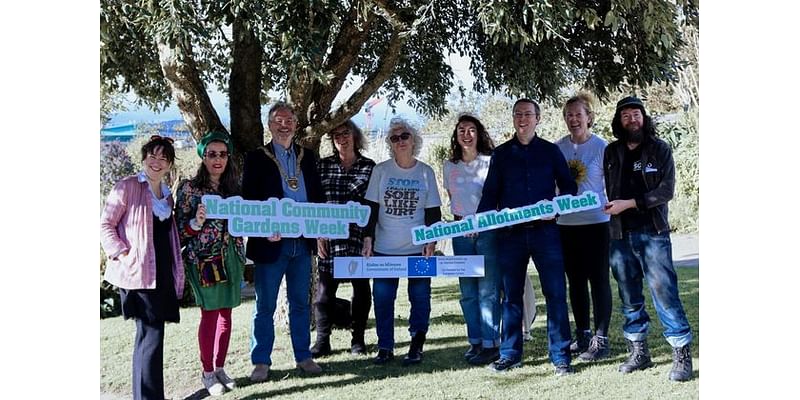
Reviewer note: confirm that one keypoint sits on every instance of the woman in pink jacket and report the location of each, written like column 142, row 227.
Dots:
column 140, row 238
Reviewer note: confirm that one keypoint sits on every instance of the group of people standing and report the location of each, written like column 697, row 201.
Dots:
column 630, row 233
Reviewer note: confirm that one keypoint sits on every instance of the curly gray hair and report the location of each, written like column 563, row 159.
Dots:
column 400, row 124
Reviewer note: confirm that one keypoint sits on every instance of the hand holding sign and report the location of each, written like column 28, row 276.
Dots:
column 276, row 218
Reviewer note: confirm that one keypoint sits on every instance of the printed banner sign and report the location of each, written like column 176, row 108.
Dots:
column 292, row 219
column 407, row 267
column 489, row 220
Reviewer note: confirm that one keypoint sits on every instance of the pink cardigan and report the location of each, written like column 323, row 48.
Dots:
column 127, row 225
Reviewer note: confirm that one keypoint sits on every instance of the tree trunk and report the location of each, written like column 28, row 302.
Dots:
column 188, row 90
column 244, row 96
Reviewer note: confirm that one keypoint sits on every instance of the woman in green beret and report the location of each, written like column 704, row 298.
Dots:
column 213, row 258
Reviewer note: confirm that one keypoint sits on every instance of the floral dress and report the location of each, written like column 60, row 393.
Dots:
column 214, row 286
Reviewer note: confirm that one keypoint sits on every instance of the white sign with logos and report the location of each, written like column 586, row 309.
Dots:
column 407, row 267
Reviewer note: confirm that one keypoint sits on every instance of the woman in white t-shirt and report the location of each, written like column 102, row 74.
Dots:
column 464, row 175
column 402, row 193
column 584, row 235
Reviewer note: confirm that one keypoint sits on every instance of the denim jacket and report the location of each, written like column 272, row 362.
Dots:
column 658, row 170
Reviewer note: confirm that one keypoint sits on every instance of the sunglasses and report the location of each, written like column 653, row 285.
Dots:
column 402, row 136
column 213, row 154
column 159, row 137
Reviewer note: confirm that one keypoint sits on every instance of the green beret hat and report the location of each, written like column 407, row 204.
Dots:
column 214, row 136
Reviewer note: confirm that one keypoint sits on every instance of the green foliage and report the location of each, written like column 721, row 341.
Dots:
column 311, row 50
column 683, row 137
column 110, row 103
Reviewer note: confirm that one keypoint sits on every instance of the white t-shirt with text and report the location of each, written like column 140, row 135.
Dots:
column 402, row 195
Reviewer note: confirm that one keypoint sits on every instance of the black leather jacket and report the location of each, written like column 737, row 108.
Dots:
column 658, row 170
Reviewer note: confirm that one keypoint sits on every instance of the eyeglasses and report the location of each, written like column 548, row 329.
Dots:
column 159, row 137
column 339, row 134
column 402, row 136
column 213, row 154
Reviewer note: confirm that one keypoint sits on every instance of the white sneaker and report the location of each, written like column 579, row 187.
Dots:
column 224, row 379
column 214, row 387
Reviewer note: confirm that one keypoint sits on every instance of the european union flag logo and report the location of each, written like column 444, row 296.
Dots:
column 421, row 266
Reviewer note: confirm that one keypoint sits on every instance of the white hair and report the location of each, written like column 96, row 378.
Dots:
column 400, row 123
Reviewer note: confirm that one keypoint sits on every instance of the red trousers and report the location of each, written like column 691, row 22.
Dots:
column 214, row 334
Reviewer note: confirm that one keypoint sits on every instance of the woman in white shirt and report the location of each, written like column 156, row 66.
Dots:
column 464, row 175
column 402, row 193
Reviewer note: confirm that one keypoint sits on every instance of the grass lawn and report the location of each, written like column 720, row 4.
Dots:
column 443, row 373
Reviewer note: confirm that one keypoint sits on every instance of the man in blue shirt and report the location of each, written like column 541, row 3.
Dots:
column 523, row 171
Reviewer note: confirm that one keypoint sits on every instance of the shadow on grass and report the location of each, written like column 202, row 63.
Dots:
column 435, row 360
column 448, row 352
column 445, row 293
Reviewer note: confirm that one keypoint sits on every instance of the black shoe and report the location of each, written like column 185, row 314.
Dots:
column 598, row 349
column 474, row 350
column 414, row 355
column 581, row 342
column 681, row 364
column 639, row 357
column 383, row 357
column 321, row 349
column 357, row 347
column 486, row 356
column 504, row 364
column 564, row 369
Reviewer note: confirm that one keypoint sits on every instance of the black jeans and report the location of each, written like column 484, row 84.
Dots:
column 148, row 361
column 360, row 305
column 586, row 263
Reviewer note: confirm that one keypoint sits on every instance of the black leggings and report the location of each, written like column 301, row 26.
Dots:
column 586, row 263
column 326, row 298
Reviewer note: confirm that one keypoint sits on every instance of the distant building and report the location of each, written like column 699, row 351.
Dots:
column 175, row 129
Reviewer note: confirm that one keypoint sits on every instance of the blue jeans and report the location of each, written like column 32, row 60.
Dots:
column 543, row 243
column 294, row 262
column 384, row 293
column 647, row 254
column 480, row 297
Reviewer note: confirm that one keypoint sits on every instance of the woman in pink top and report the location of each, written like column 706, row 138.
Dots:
column 140, row 238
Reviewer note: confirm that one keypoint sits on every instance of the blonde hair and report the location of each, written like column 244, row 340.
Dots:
column 586, row 100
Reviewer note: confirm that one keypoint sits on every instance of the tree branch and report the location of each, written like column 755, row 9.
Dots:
column 188, row 90
column 373, row 82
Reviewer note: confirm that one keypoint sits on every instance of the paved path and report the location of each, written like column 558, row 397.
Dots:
column 686, row 250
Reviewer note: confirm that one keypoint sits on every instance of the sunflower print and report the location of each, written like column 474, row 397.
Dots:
column 578, row 170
